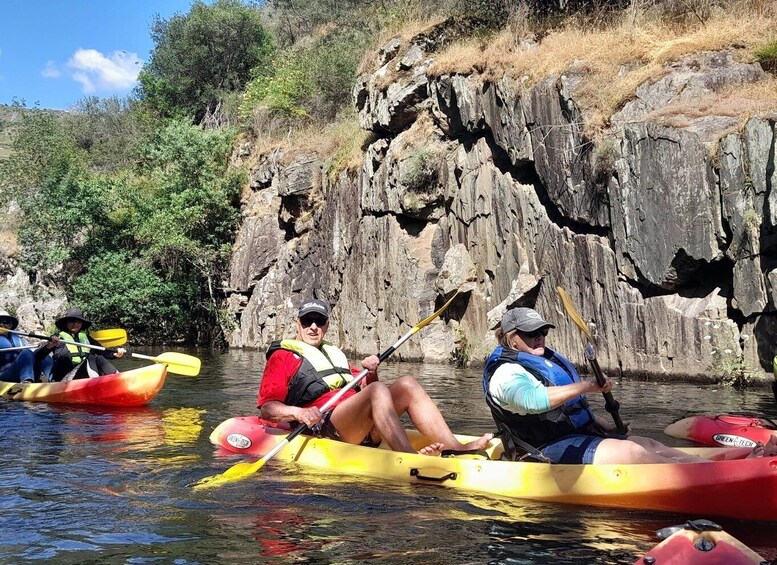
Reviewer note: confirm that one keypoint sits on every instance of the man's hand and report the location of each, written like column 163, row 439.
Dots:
column 120, row 352
column 371, row 363
column 308, row 416
column 53, row 342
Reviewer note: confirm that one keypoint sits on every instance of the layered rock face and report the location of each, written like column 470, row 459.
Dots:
column 662, row 235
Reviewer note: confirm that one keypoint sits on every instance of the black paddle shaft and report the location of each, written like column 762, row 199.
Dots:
column 610, row 404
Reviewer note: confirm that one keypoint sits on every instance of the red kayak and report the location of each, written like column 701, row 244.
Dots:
column 130, row 388
column 699, row 542
column 727, row 430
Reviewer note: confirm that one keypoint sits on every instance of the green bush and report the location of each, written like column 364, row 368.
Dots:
column 117, row 290
column 280, row 91
column 313, row 82
column 767, row 56
column 200, row 56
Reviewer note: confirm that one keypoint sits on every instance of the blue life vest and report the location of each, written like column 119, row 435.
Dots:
column 551, row 369
column 6, row 341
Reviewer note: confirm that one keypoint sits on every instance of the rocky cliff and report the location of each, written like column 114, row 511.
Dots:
column 662, row 229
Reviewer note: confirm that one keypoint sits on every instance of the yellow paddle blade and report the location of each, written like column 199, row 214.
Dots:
column 236, row 472
column 572, row 313
column 111, row 337
column 181, row 363
column 178, row 363
column 426, row 321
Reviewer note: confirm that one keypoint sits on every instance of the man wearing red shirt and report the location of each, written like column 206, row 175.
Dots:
column 303, row 373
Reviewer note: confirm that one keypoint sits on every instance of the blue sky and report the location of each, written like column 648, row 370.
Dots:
column 56, row 52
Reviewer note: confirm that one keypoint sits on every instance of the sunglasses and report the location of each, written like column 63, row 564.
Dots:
column 536, row 333
column 308, row 321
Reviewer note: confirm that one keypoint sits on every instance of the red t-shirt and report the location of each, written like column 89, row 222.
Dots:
column 280, row 369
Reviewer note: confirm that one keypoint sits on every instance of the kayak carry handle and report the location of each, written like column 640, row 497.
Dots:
column 414, row 472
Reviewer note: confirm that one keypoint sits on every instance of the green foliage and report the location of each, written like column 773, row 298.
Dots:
column 421, row 169
column 767, row 56
column 110, row 131
column 311, row 82
column 280, row 91
column 65, row 219
column 200, row 56
column 188, row 211
column 294, row 21
column 731, row 369
column 42, row 150
column 140, row 245
column 118, row 290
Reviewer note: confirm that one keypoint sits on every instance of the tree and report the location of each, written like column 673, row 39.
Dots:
column 201, row 56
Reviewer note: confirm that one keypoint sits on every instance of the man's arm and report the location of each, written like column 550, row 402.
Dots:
column 278, row 372
column 277, row 411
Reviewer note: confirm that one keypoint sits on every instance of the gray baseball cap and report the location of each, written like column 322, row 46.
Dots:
column 314, row 306
column 523, row 319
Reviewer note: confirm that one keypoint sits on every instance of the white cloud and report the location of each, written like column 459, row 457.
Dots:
column 98, row 73
column 50, row 70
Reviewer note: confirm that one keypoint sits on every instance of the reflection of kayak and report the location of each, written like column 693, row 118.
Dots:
column 700, row 542
column 745, row 489
column 129, row 388
column 727, row 430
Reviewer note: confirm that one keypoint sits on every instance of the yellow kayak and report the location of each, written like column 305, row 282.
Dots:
column 745, row 489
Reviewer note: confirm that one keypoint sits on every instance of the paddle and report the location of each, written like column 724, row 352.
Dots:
column 610, row 403
column 243, row 469
column 178, row 363
column 110, row 338
column 21, row 348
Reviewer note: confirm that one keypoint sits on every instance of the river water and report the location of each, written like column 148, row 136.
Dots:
column 88, row 485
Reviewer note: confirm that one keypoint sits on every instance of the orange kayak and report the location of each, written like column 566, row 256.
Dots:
column 129, row 388
column 727, row 430
column 744, row 489
column 700, row 542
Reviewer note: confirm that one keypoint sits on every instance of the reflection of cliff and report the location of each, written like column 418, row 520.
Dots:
column 663, row 232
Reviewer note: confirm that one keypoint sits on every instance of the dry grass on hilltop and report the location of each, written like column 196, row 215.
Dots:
column 617, row 59
column 340, row 142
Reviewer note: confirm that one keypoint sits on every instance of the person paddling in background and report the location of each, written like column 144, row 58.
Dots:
column 76, row 362
column 25, row 365
column 537, row 398
column 302, row 374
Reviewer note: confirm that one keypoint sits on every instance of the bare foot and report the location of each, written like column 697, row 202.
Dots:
column 764, row 450
column 432, row 449
column 758, row 451
column 479, row 443
column 770, row 448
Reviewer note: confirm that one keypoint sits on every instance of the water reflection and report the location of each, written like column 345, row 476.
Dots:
column 89, row 484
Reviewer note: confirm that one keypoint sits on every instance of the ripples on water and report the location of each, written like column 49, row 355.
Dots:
column 104, row 485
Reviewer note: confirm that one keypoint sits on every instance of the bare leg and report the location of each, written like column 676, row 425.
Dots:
column 638, row 449
column 410, row 397
column 372, row 407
